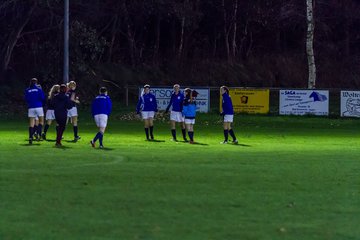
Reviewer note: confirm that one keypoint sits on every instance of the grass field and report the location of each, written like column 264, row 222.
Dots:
column 289, row 178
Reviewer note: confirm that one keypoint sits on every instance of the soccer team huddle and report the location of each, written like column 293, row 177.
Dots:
column 61, row 107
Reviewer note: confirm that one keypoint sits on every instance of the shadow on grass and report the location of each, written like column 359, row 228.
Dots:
column 197, row 143
column 241, row 145
column 62, row 147
column 155, row 140
column 30, row 145
column 104, row 149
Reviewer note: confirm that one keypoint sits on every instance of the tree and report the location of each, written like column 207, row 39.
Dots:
column 310, row 43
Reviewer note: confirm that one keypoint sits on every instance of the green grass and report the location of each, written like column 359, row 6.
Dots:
column 289, row 178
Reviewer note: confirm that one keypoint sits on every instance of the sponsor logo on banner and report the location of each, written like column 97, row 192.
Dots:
column 301, row 102
column 163, row 96
column 350, row 104
column 249, row 100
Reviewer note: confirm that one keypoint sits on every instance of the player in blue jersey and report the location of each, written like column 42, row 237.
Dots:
column 61, row 104
column 147, row 105
column 35, row 98
column 73, row 113
column 176, row 102
column 101, row 109
column 50, row 114
column 189, row 111
column 228, row 114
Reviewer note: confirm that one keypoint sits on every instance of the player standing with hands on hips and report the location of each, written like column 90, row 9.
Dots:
column 228, row 114
column 176, row 102
column 101, row 109
column 35, row 98
column 148, row 106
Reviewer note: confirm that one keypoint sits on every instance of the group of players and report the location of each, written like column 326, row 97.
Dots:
column 62, row 100
column 61, row 106
column 183, row 111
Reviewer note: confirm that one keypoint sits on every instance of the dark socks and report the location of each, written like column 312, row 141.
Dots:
column 147, row 133
column 31, row 132
column 226, row 135
column 151, row 132
column 232, row 134
column 46, row 128
column 39, row 129
column 183, row 130
column 173, row 133
column 101, row 138
column 191, row 136
column 75, row 131
column 97, row 136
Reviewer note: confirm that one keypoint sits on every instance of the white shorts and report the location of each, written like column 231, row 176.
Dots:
column 72, row 112
column 35, row 112
column 189, row 121
column 50, row 115
column 176, row 116
column 147, row 114
column 101, row 120
column 228, row 118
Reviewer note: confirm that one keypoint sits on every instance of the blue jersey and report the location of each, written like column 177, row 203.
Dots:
column 189, row 109
column 176, row 101
column 227, row 107
column 147, row 102
column 34, row 96
column 101, row 105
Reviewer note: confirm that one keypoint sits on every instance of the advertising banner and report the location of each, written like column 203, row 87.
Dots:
column 350, row 104
column 302, row 102
column 163, row 95
column 249, row 100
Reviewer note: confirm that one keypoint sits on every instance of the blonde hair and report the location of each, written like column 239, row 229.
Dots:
column 71, row 84
column 53, row 90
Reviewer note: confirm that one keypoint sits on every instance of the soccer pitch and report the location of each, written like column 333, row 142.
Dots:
column 289, row 178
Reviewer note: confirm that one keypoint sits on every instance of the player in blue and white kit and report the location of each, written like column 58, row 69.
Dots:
column 101, row 109
column 35, row 98
column 148, row 106
column 228, row 114
column 73, row 113
column 176, row 102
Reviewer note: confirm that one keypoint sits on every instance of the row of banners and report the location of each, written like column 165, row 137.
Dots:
column 291, row 102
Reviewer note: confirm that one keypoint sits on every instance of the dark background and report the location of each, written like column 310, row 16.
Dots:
column 243, row 43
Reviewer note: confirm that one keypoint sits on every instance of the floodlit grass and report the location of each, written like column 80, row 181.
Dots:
column 289, row 178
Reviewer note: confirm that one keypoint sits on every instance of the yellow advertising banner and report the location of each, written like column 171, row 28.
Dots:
column 250, row 100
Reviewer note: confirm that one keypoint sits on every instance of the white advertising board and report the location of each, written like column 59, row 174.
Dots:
column 302, row 102
column 350, row 104
column 163, row 95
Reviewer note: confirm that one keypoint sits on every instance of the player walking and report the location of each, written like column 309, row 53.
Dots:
column 148, row 106
column 228, row 114
column 176, row 102
column 101, row 109
column 35, row 98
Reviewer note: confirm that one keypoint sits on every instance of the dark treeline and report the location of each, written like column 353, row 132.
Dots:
column 248, row 43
